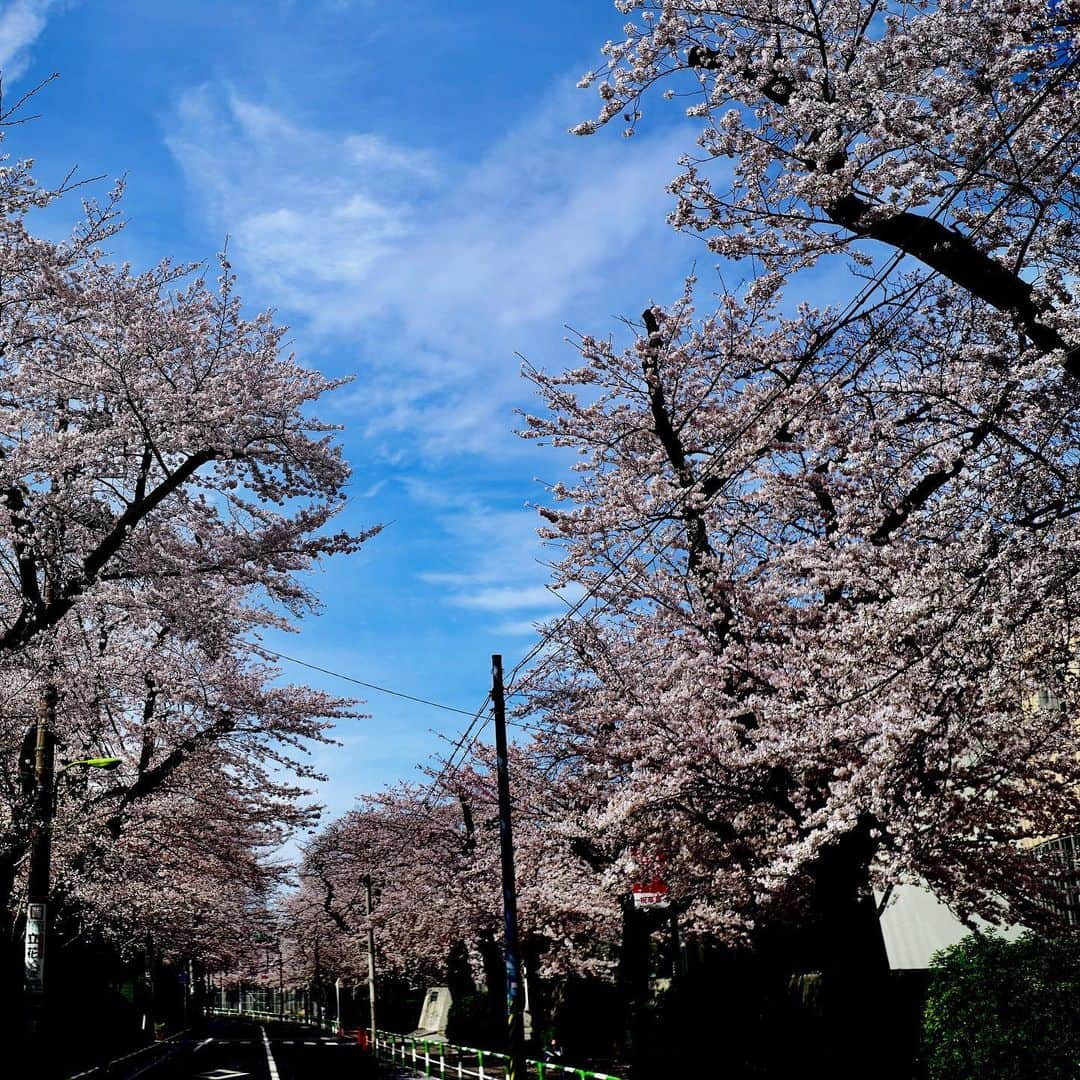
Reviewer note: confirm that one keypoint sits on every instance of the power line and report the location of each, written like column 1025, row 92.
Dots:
column 845, row 316
column 361, row 682
column 464, row 744
column 468, row 734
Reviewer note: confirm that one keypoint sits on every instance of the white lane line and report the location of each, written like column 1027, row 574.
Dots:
column 311, row 1044
column 270, row 1062
column 205, row 1042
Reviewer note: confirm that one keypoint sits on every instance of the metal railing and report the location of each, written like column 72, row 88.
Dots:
column 445, row 1060
column 328, row 1023
column 433, row 1058
column 157, row 1052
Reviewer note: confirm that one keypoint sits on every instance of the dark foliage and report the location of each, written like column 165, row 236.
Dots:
column 1004, row 1009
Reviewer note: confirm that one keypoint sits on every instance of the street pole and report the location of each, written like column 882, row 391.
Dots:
column 318, row 988
column 280, row 981
column 39, row 864
column 37, row 900
column 371, row 967
column 514, row 1017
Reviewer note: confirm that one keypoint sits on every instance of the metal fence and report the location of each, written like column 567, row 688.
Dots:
column 326, row 1023
column 432, row 1058
column 445, row 1060
column 1065, row 852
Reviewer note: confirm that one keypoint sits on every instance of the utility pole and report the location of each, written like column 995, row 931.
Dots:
column 318, row 987
column 371, row 968
column 37, row 898
column 38, row 754
column 515, row 1020
column 280, row 981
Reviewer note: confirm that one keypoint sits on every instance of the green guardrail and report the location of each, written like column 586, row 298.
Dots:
column 435, row 1058
column 444, row 1060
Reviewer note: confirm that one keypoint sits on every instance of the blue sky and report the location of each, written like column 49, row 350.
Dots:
column 396, row 179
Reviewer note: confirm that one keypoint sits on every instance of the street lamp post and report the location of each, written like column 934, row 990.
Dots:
column 40, row 861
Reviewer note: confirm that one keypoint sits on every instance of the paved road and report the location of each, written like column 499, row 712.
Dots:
column 243, row 1050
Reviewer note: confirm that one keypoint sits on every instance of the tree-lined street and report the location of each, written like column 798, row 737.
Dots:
column 779, row 735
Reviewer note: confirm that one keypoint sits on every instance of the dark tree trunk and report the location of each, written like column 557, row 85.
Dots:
column 633, row 983
column 843, row 940
column 533, row 947
column 10, row 944
column 494, row 978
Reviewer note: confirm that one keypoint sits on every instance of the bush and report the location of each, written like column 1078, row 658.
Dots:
column 1002, row 1009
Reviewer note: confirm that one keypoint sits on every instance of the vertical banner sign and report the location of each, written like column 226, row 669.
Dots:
column 35, row 948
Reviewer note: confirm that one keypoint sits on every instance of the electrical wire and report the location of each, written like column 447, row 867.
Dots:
column 845, row 316
column 480, row 718
column 360, row 682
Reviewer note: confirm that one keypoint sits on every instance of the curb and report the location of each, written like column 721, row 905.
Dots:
column 105, row 1068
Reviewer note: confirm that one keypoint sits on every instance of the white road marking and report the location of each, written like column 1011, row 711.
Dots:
column 270, row 1062
column 205, row 1042
column 311, row 1044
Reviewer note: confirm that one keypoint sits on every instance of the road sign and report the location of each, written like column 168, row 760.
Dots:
column 651, row 894
column 652, row 900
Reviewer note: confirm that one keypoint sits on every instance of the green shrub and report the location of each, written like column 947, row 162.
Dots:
column 1007, row 1010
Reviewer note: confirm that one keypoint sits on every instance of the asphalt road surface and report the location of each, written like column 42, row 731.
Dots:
column 232, row 1049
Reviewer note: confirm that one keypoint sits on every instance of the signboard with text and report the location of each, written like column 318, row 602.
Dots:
column 34, row 978
column 651, row 894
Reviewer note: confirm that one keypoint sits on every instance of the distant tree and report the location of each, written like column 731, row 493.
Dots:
column 433, row 859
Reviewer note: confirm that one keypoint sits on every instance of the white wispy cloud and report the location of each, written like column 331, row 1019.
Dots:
column 507, row 598
column 433, row 272
column 21, row 23
column 491, row 556
column 443, row 269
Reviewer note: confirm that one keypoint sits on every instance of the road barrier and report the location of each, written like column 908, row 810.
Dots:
column 445, row 1060
column 326, row 1024
column 156, row 1051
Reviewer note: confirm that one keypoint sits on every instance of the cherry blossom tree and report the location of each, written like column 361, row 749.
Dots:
column 870, row 507
column 944, row 131
column 831, row 562
column 163, row 484
column 432, row 855
column 417, row 857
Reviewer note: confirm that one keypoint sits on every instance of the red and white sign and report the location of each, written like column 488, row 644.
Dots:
column 651, row 894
